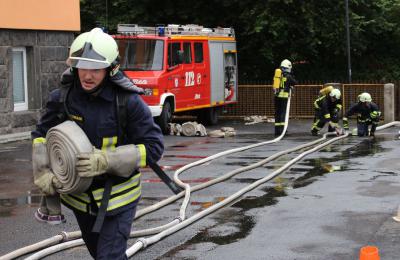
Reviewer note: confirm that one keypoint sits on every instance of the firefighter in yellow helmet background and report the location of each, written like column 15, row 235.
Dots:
column 367, row 112
column 327, row 108
column 283, row 83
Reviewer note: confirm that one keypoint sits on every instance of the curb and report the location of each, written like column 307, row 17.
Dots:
column 14, row 137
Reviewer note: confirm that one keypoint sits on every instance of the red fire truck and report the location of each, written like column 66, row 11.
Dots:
column 182, row 68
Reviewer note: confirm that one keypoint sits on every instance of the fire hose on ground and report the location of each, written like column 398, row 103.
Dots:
column 174, row 226
column 60, row 239
column 144, row 242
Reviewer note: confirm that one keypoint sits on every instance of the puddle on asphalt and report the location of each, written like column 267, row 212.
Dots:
column 268, row 199
column 324, row 165
column 185, row 156
column 190, row 143
column 239, row 228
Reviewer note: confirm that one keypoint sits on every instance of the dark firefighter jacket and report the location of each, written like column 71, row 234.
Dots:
column 287, row 83
column 365, row 112
column 97, row 116
column 326, row 107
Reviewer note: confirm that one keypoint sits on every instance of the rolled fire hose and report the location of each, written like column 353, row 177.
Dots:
column 193, row 129
column 64, row 142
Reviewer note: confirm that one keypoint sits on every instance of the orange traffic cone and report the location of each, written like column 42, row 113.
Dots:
column 369, row 253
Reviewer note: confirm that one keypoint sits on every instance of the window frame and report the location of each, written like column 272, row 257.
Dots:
column 21, row 106
column 187, row 52
column 172, row 55
column 198, row 59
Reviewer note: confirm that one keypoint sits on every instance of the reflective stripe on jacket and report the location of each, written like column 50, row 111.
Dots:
column 287, row 82
column 122, row 194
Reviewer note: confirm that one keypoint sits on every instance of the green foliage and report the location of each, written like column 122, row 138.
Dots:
column 312, row 34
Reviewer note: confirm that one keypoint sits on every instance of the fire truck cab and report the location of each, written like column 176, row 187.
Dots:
column 182, row 68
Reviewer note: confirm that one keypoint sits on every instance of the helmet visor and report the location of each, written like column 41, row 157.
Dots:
column 88, row 58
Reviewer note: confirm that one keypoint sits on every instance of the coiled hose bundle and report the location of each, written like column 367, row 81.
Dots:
column 64, row 142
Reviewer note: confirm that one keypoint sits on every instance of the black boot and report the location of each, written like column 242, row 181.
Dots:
column 278, row 130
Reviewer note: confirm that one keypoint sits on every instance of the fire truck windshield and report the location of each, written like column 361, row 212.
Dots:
column 141, row 54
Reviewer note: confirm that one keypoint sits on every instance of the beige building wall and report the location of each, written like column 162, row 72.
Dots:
column 59, row 15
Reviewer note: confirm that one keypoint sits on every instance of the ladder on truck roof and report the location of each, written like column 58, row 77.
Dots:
column 174, row 29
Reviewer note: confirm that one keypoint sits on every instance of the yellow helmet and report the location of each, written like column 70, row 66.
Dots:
column 93, row 50
column 364, row 97
column 335, row 93
column 287, row 65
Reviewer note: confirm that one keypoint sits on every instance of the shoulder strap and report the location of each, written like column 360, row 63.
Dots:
column 122, row 113
column 63, row 111
column 67, row 81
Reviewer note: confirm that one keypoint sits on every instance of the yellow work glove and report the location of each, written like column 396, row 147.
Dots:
column 91, row 164
column 47, row 182
column 345, row 123
column 121, row 162
column 43, row 177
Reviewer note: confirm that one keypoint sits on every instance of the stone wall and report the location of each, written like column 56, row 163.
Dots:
column 46, row 52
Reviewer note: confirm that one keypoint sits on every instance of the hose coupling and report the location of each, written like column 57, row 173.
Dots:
column 180, row 219
column 143, row 241
column 64, row 236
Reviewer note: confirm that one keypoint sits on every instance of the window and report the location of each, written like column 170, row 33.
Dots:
column 141, row 55
column 20, row 89
column 173, row 56
column 198, row 52
column 187, row 53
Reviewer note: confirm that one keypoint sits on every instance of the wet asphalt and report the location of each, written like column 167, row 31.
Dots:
column 326, row 206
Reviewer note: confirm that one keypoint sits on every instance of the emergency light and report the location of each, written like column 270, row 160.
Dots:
column 161, row 31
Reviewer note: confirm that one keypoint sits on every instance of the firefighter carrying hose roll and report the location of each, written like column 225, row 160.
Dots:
column 283, row 84
column 327, row 109
column 105, row 211
column 368, row 113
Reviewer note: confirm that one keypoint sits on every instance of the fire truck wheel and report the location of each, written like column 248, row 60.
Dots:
column 165, row 118
column 208, row 116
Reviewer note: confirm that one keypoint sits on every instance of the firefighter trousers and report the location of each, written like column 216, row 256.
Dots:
column 362, row 128
column 50, row 204
column 111, row 241
column 320, row 121
column 280, row 112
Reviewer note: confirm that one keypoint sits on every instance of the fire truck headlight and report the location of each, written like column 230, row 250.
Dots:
column 151, row 92
column 148, row 91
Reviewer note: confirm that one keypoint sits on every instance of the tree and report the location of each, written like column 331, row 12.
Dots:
column 309, row 33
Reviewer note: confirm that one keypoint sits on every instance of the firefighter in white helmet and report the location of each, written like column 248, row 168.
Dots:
column 106, row 210
column 368, row 113
column 283, row 84
column 327, row 110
